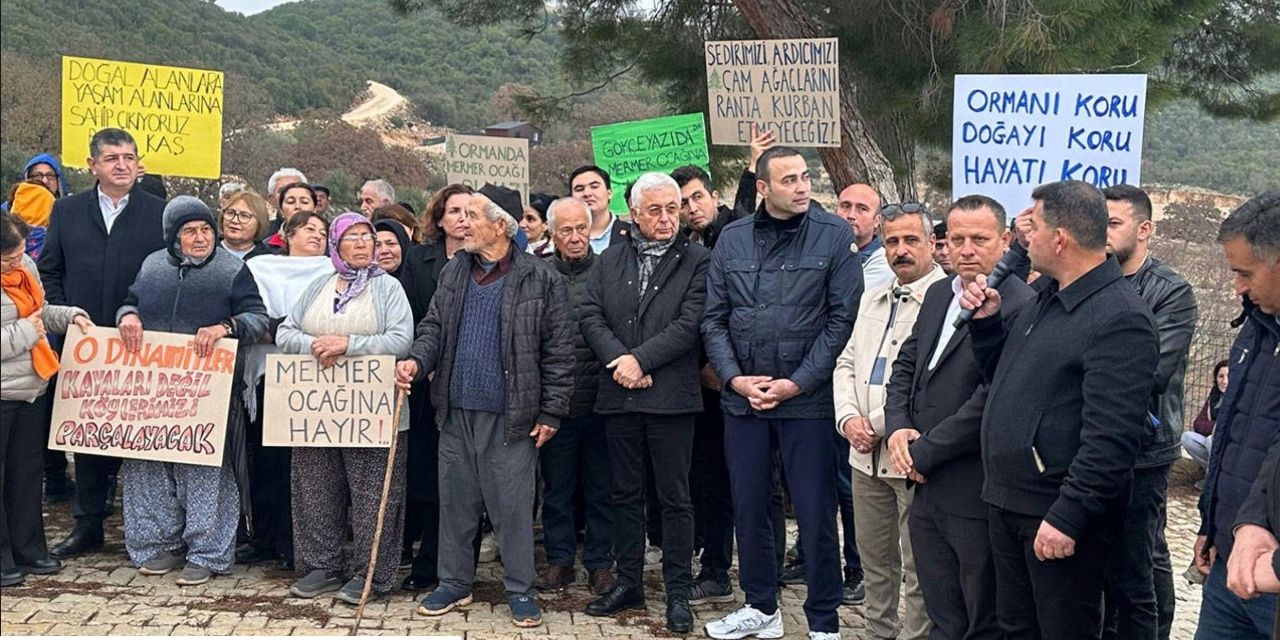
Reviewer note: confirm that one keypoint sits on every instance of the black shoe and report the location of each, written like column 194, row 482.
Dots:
column 44, row 567
column 679, row 616
column 855, row 590
column 616, row 601
column 250, row 554
column 418, row 583
column 707, row 589
column 792, row 574
column 11, row 578
column 59, row 490
column 406, row 560
column 80, row 541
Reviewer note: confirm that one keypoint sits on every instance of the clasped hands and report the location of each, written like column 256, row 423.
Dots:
column 327, row 349
column 764, row 393
column 627, row 372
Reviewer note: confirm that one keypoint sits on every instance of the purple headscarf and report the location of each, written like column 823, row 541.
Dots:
column 357, row 279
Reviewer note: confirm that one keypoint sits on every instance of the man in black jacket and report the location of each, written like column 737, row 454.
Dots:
column 933, row 418
column 578, row 452
column 1070, row 380
column 782, row 292
column 640, row 316
column 93, row 249
column 1248, row 426
column 1139, row 592
column 498, row 339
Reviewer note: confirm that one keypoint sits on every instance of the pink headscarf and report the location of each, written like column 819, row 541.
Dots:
column 357, row 279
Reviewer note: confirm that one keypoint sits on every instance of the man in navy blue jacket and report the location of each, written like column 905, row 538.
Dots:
column 95, row 245
column 782, row 292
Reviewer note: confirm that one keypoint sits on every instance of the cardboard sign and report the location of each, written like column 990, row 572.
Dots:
column 174, row 114
column 475, row 160
column 162, row 403
column 1015, row 132
column 350, row 404
column 790, row 87
column 628, row 150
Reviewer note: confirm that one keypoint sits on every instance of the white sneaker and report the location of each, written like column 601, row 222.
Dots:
column 823, row 635
column 746, row 622
column 488, row 547
column 652, row 557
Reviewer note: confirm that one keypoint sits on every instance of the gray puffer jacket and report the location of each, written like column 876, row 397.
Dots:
column 18, row 378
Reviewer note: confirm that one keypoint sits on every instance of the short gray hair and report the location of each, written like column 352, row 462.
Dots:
column 494, row 213
column 286, row 172
column 1258, row 223
column 229, row 188
column 382, row 188
column 893, row 214
column 562, row 203
column 649, row 182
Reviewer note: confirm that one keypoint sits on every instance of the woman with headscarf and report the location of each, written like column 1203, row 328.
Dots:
column 358, row 311
column 280, row 279
column 27, row 362
column 189, row 287
column 243, row 224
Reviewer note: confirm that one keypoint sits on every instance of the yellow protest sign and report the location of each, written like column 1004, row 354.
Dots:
column 174, row 113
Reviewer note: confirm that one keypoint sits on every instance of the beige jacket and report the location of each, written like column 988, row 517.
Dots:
column 18, row 379
column 851, row 382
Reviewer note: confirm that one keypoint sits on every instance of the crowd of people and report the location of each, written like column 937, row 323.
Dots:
column 986, row 407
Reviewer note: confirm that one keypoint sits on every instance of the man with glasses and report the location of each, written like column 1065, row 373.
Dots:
column 882, row 495
column 95, row 246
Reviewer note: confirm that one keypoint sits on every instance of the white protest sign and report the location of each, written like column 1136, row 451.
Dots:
column 1013, row 133
column 475, row 160
column 789, row 87
column 349, row 404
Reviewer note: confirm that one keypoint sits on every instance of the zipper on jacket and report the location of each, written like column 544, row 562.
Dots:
column 177, row 297
column 1244, row 353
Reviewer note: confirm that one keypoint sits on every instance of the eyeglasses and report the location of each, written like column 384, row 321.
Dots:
column 356, row 238
column 43, row 175
column 236, row 216
column 12, row 260
column 904, row 207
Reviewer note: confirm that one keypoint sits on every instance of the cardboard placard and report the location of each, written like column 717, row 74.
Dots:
column 1013, row 133
column 475, row 160
column 350, row 404
column 162, row 403
column 790, row 87
column 628, row 150
column 173, row 113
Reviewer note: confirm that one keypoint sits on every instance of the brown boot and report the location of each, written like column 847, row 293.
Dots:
column 554, row 578
column 601, row 582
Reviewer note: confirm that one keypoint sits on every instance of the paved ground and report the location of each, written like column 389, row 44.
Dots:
column 100, row 594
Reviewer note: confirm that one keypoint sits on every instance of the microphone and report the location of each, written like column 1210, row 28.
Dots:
column 993, row 281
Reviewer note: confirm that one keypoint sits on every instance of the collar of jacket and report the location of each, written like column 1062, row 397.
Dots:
column 1086, row 285
column 762, row 217
column 1251, row 311
column 918, row 288
column 432, row 252
column 575, row 268
column 865, row 253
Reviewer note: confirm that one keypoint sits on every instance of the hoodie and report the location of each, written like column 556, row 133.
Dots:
column 48, row 159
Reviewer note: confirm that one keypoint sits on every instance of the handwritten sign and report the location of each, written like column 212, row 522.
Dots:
column 161, row 403
column 174, row 114
column 1016, row 132
column 475, row 160
column 790, row 87
column 629, row 149
column 350, row 404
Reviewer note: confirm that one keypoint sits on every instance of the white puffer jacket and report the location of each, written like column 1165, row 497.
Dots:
column 18, row 378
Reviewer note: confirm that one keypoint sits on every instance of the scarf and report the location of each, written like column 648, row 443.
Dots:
column 648, row 252
column 357, row 279
column 27, row 296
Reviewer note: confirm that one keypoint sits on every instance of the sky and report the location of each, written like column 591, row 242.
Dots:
column 249, row 7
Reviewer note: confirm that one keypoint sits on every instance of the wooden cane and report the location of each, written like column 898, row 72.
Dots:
column 382, row 512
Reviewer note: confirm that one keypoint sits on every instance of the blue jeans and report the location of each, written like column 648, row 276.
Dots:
column 1223, row 616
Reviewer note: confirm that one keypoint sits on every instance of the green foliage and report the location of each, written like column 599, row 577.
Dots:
column 1184, row 146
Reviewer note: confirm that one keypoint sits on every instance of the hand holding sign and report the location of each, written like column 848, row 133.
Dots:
column 131, row 332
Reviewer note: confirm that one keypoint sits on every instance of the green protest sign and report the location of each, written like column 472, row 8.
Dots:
column 629, row 149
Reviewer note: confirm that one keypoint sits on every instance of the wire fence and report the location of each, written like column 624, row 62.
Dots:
column 1208, row 347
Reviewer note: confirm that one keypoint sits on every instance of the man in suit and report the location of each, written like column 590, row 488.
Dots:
column 933, row 416
column 96, row 243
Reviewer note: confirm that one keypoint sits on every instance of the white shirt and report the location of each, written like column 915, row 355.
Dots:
column 948, row 323
column 111, row 211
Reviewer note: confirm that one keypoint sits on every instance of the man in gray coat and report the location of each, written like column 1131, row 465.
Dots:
column 498, row 340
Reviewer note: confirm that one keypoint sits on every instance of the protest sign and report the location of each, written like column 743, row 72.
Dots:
column 350, row 404
column 1015, row 132
column 174, row 114
column 162, row 403
column 629, row 149
column 790, row 87
column 475, row 160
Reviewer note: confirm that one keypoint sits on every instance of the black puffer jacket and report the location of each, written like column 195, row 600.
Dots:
column 1173, row 304
column 586, row 368
column 537, row 340
column 659, row 328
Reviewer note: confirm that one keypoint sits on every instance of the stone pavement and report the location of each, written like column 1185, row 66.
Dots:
column 100, row 594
